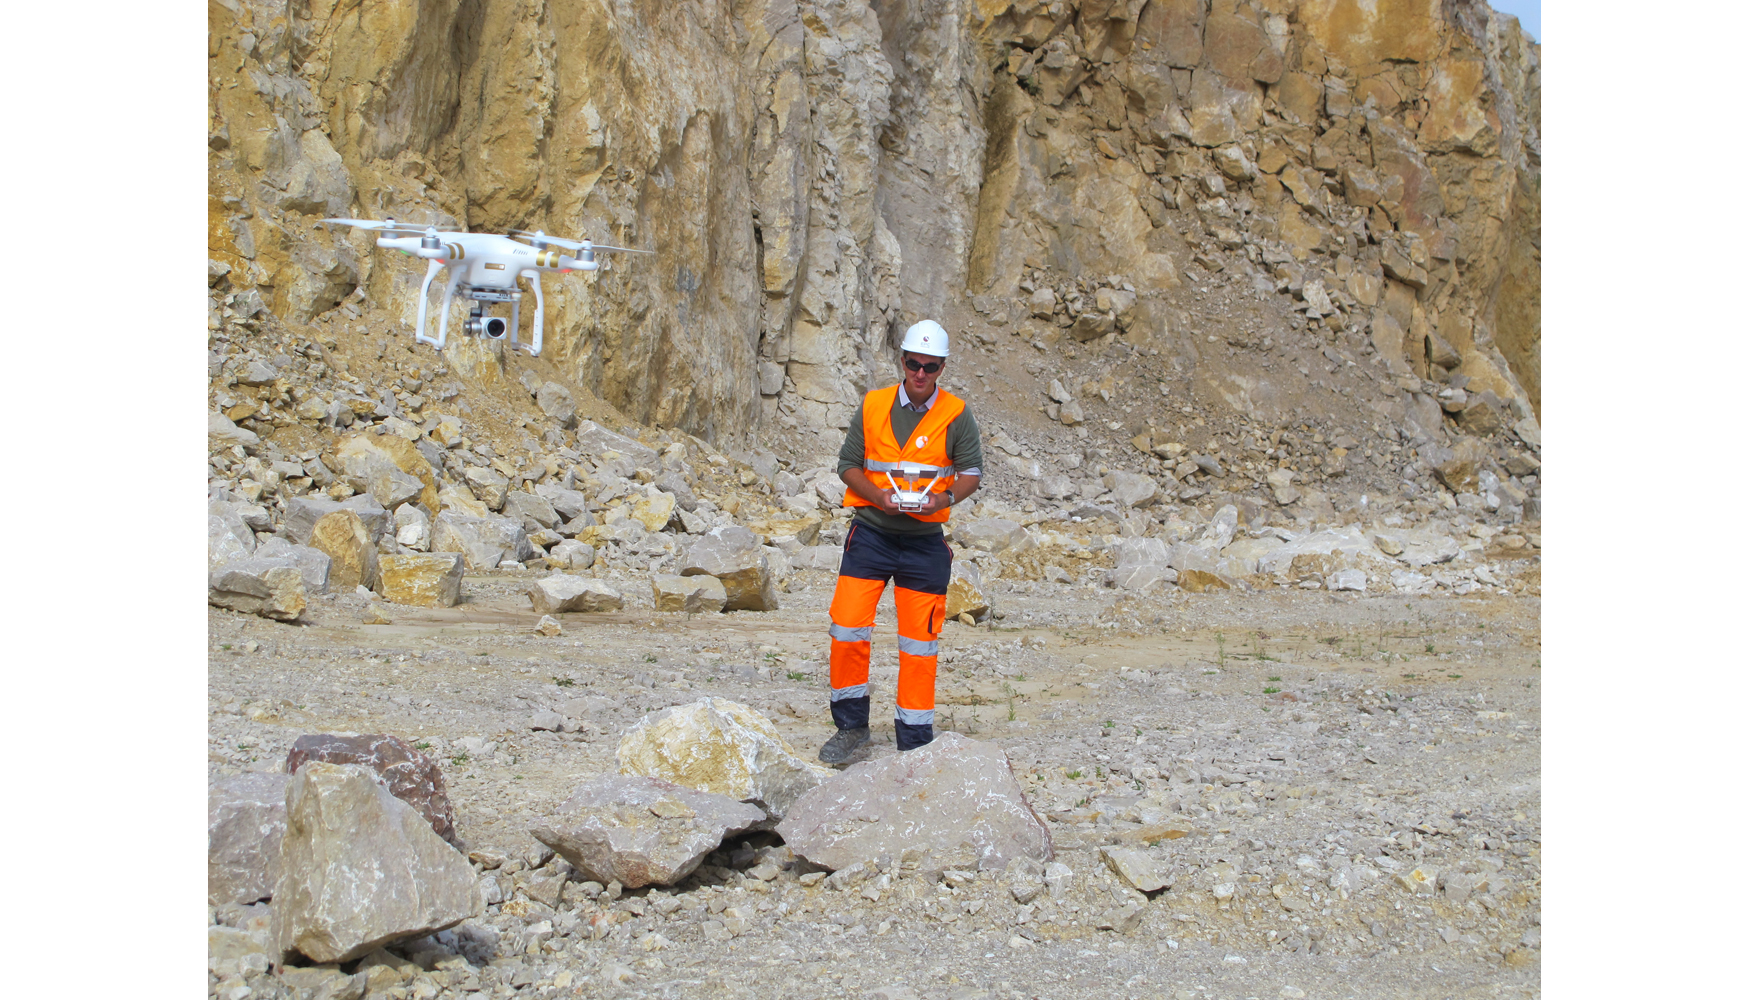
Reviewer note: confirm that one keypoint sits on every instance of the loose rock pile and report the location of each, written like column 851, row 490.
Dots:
column 345, row 854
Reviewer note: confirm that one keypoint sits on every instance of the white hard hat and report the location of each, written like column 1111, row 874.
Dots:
column 926, row 337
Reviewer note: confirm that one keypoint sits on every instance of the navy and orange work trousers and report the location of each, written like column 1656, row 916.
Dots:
column 919, row 566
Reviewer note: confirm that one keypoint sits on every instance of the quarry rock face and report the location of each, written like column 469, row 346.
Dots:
column 806, row 207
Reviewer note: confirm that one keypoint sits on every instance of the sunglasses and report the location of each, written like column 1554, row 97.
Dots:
column 913, row 364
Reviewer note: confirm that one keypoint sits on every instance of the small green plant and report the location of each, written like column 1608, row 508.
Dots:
column 483, row 653
column 796, row 675
column 564, row 682
column 1270, row 690
column 1083, row 801
column 422, row 745
column 458, row 760
column 1099, row 772
column 649, row 658
column 1331, row 640
column 1221, row 649
column 1021, row 677
column 1208, row 673
column 1455, row 676
column 1074, row 775
column 1109, row 724
column 245, row 747
column 1138, row 731
column 1428, row 648
column 224, row 645
column 1273, row 678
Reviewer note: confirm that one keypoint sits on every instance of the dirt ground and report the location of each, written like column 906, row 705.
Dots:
column 1309, row 752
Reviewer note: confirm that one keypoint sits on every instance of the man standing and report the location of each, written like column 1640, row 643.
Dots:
column 897, row 429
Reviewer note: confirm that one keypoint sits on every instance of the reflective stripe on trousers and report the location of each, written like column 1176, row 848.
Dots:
column 919, row 567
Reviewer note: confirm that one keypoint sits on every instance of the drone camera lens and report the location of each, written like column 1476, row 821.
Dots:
column 495, row 328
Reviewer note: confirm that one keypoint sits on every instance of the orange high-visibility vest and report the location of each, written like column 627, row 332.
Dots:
column 927, row 446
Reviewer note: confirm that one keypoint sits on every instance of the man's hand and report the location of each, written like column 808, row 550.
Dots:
column 935, row 502
column 860, row 483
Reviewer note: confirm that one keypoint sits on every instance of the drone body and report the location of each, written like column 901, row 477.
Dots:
column 484, row 268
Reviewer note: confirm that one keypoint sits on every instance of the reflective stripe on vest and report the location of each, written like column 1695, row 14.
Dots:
column 927, row 446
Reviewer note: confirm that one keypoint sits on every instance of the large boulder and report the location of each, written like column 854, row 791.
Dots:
column 990, row 534
column 421, row 579
column 222, row 433
column 264, row 587
column 411, row 776
column 563, row 592
column 343, row 537
column 566, row 503
column 594, row 439
column 676, row 484
column 484, row 542
column 692, row 594
column 1349, row 548
column 360, row 869
column 527, row 507
column 715, row 745
column 1131, row 489
column 303, row 512
column 1282, row 486
column 311, row 563
column 572, row 554
column 1417, row 546
column 246, row 818
column 641, row 831
column 733, row 554
column 1141, row 563
column 229, row 538
column 555, row 401
column 951, row 792
column 654, row 509
column 490, row 486
column 389, row 467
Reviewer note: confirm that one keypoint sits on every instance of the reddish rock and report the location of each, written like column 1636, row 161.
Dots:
column 413, row 777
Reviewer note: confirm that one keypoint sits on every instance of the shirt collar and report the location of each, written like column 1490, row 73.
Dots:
column 905, row 399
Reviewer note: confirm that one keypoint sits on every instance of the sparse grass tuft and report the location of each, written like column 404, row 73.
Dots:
column 564, row 682
column 796, row 675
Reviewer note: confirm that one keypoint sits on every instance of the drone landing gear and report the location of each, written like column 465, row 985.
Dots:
column 480, row 324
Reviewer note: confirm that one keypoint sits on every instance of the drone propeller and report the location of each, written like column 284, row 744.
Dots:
column 390, row 225
column 574, row 244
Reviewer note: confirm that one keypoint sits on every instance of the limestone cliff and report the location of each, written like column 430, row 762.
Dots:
column 1362, row 179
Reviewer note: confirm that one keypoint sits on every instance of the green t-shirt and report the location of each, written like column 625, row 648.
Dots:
column 964, row 453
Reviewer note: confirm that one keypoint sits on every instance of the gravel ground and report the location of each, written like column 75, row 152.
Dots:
column 1318, row 748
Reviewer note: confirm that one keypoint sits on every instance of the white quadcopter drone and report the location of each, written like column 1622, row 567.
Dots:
column 484, row 267
column 911, row 497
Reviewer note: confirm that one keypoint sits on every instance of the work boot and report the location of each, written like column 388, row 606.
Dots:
column 844, row 743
